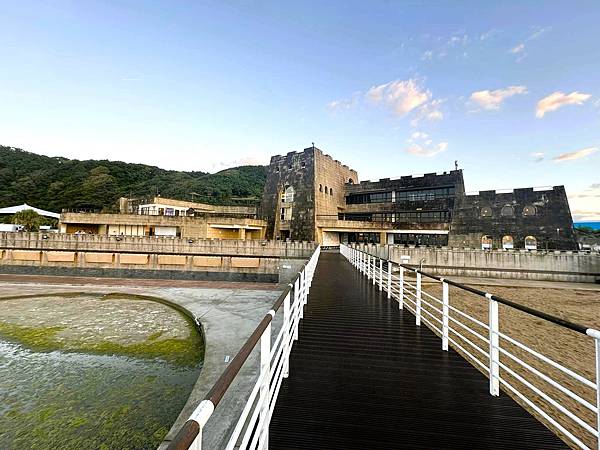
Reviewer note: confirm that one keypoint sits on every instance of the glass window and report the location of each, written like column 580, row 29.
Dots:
column 529, row 210
column 507, row 211
column 486, row 211
column 288, row 195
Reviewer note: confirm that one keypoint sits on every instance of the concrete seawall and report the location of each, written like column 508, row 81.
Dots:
column 516, row 264
column 150, row 257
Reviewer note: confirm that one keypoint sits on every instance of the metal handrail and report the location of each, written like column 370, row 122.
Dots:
column 415, row 298
column 190, row 434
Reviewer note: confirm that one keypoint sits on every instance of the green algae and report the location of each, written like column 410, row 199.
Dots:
column 186, row 351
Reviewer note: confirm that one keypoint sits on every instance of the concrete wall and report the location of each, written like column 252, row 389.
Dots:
column 154, row 244
column 517, row 264
column 141, row 265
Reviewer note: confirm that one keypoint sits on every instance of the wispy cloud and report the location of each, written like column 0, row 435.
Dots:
column 492, row 100
column 571, row 156
column 420, row 144
column 428, row 112
column 427, row 56
column 489, row 34
column 557, row 100
column 538, row 157
column 520, row 49
column 585, row 205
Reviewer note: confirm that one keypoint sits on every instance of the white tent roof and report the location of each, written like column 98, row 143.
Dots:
column 24, row 206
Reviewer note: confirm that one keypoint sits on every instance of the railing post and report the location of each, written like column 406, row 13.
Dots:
column 389, row 279
column 296, row 308
column 286, row 336
column 265, row 371
column 368, row 266
column 445, row 303
column 597, row 342
column 418, row 307
column 374, row 270
column 401, row 297
column 494, row 343
column 302, row 291
column 380, row 274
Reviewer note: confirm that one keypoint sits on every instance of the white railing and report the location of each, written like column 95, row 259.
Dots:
column 252, row 427
column 572, row 408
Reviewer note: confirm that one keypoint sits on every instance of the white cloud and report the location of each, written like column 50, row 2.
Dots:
column 518, row 49
column 558, row 99
column 538, row 157
column 492, row 100
column 427, row 56
column 571, row 156
column 488, row 34
column 401, row 96
column 429, row 111
column 585, row 205
column 420, row 144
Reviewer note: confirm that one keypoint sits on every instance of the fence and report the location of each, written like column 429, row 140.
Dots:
column 572, row 408
column 252, row 428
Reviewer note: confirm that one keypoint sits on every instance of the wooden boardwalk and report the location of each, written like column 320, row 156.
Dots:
column 363, row 376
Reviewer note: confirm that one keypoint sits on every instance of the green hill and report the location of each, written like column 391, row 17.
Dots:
column 54, row 183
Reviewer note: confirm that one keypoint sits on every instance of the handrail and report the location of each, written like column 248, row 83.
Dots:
column 191, row 431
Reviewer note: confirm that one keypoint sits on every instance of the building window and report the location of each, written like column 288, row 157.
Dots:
column 486, row 211
column 486, row 242
column 326, row 190
column 530, row 243
column 331, row 191
column 529, row 210
column 288, row 195
column 303, row 164
column 374, row 197
column 508, row 242
column 350, row 180
column 277, row 169
column 425, row 194
column 286, row 213
column 507, row 211
column 320, row 188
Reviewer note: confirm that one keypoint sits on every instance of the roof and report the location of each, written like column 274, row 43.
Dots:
column 25, row 206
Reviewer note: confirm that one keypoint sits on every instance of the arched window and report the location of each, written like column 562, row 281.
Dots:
column 326, row 190
column 350, row 180
column 486, row 211
column 320, row 188
column 530, row 243
column 508, row 243
column 330, row 191
column 486, row 242
column 529, row 210
column 288, row 195
column 507, row 211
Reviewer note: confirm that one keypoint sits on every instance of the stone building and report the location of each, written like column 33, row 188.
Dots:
column 310, row 196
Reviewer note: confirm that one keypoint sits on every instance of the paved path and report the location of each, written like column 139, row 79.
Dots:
column 363, row 376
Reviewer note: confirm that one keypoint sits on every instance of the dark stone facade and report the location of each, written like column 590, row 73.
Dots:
column 542, row 214
column 297, row 170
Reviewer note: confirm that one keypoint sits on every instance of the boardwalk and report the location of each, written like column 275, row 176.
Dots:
column 363, row 376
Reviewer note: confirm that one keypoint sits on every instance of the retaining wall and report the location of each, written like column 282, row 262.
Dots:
column 516, row 264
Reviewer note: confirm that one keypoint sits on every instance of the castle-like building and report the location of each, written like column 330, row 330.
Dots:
column 310, row 196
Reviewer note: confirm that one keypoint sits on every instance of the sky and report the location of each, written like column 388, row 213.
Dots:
column 510, row 90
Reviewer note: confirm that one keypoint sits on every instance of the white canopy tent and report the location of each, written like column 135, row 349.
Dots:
column 24, row 206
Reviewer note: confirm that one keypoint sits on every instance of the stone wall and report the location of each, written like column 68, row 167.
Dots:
column 154, row 244
column 516, row 264
column 487, row 214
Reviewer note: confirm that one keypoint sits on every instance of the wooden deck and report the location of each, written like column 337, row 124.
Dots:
column 363, row 376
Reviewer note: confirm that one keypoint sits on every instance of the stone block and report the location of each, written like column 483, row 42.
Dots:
column 60, row 256
column 207, row 261
column 26, row 255
column 134, row 258
column 101, row 258
column 245, row 262
column 173, row 260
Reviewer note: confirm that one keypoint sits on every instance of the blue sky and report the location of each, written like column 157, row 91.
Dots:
column 509, row 89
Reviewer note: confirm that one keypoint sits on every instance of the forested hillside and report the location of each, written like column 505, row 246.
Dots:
column 53, row 182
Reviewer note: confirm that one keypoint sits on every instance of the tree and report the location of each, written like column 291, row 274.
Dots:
column 28, row 218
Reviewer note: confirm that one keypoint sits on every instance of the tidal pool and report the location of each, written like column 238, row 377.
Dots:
column 93, row 371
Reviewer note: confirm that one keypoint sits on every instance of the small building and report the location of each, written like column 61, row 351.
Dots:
column 170, row 218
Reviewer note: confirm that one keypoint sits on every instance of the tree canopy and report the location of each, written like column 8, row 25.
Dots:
column 54, row 183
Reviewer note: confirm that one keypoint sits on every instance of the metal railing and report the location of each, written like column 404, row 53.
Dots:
column 252, row 427
column 522, row 371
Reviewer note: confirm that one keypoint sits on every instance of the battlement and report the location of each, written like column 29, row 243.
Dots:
column 516, row 191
